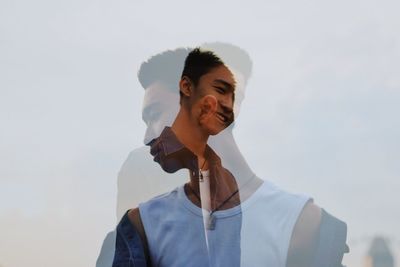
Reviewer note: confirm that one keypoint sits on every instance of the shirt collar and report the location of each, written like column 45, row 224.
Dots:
column 170, row 142
column 171, row 145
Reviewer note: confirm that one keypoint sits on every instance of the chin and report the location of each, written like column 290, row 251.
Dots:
column 216, row 131
column 214, row 127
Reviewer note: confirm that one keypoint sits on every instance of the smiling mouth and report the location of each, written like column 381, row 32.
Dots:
column 222, row 117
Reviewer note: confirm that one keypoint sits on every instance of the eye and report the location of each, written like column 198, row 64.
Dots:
column 151, row 115
column 155, row 115
column 220, row 90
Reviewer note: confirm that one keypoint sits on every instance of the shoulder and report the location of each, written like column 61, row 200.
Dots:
column 307, row 225
column 284, row 204
column 304, row 238
column 305, row 216
column 136, row 221
column 161, row 199
column 146, row 218
column 134, row 216
column 159, row 207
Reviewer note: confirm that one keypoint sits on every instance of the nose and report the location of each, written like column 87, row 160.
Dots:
column 227, row 103
column 149, row 135
column 227, row 109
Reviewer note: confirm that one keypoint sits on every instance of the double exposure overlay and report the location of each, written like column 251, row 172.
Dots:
column 212, row 133
column 200, row 203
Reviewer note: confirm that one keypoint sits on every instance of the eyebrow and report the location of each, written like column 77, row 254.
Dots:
column 226, row 84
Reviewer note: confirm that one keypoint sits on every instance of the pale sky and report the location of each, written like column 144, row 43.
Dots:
column 320, row 115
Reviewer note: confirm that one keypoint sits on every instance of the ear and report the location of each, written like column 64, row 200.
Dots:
column 185, row 86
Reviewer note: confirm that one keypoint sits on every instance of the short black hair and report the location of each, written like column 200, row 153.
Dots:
column 233, row 57
column 164, row 67
column 198, row 63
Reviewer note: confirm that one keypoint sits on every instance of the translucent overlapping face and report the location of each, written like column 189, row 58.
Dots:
column 214, row 100
column 240, row 88
column 160, row 106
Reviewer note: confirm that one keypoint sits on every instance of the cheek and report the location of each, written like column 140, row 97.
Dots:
column 160, row 125
column 166, row 118
column 194, row 110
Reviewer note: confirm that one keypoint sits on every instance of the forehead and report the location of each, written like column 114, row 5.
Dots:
column 219, row 73
column 232, row 76
column 158, row 95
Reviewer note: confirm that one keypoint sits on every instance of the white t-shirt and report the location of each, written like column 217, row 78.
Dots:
column 255, row 233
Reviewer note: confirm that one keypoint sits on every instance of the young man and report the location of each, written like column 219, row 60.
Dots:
column 207, row 96
column 275, row 229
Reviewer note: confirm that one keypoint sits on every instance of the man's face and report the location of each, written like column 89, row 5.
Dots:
column 213, row 98
column 160, row 107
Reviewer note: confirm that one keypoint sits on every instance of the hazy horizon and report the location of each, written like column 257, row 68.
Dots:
column 319, row 117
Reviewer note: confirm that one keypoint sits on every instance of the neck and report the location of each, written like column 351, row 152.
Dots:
column 189, row 133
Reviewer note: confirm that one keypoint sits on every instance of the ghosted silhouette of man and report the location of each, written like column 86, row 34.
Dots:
column 280, row 229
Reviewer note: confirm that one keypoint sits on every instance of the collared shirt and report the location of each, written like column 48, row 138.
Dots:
column 172, row 156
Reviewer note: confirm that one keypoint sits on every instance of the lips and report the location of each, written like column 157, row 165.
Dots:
column 225, row 119
column 210, row 107
column 222, row 117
